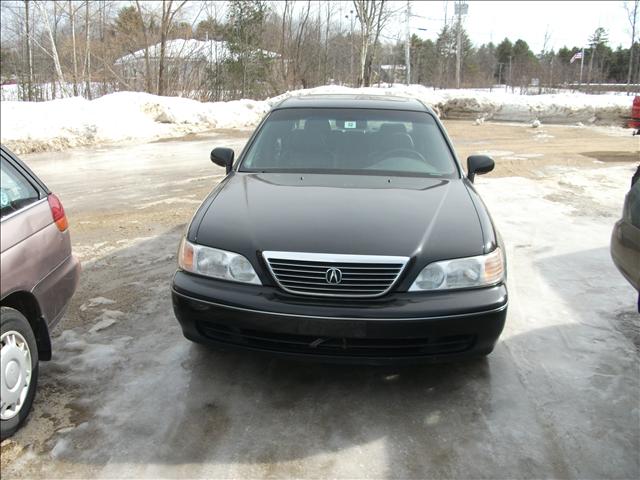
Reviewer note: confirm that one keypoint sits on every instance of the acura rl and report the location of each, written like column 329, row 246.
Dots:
column 345, row 230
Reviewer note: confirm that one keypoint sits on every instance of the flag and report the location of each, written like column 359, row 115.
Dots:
column 577, row 56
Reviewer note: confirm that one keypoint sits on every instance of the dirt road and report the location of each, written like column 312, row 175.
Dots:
column 127, row 396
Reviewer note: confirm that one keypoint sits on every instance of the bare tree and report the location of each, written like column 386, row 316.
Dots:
column 147, row 66
column 42, row 8
column 543, row 52
column 383, row 16
column 371, row 16
column 165, row 27
column 286, row 28
column 86, row 70
column 55, row 39
column 72, row 22
column 329, row 9
column 300, row 36
column 29, row 51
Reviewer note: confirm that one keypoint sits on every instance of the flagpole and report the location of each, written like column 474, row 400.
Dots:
column 581, row 65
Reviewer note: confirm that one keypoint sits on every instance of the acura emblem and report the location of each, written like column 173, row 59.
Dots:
column 333, row 275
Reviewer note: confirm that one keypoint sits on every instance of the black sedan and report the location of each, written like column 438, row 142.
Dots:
column 345, row 230
column 625, row 240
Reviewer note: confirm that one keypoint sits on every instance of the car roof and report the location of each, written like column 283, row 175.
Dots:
column 381, row 102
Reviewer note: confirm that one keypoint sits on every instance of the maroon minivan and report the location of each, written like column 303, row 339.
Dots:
column 38, row 276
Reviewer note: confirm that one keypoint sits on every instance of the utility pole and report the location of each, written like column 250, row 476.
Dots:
column 581, row 67
column 633, row 16
column 461, row 8
column 407, row 46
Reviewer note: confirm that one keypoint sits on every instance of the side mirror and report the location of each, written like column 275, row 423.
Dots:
column 223, row 157
column 478, row 165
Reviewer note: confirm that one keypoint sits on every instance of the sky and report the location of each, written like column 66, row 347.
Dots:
column 568, row 22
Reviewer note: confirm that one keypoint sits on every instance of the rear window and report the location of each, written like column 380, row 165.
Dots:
column 363, row 141
column 15, row 190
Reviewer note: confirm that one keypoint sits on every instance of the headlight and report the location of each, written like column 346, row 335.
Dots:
column 480, row 271
column 215, row 263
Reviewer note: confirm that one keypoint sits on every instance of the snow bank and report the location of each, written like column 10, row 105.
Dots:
column 561, row 108
column 118, row 117
column 134, row 116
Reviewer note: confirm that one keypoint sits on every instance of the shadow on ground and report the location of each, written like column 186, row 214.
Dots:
column 146, row 402
column 613, row 156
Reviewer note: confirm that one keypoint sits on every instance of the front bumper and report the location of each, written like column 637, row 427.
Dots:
column 396, row 328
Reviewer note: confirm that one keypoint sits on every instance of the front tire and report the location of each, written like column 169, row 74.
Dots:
column 19, row 374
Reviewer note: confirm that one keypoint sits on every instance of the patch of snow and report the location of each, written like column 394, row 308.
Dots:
column 168, row 201
column 106, row 319
column 81, row 357
column 15, row 92
column 101, row 301
column 102, row 324
column 66, row 429
column 94, row 302
column 61, row 446
column 91, row 253
column 524, row 156
column 496, row 153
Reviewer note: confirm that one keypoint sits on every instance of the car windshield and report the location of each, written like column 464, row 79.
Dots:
column 336, row 140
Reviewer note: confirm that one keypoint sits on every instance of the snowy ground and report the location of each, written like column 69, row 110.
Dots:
column 133, row 116
column 127, row 396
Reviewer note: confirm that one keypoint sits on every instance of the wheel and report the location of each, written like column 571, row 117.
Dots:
column 19, row 360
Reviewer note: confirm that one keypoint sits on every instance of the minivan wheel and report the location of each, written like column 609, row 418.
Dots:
column 19, row 370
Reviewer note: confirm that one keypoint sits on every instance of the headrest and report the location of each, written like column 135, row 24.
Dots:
column 389, row 128
column 317, row 125
column 304, row 140
column 399, row 140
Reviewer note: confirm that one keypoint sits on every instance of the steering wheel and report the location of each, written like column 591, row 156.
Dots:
column 398, row 152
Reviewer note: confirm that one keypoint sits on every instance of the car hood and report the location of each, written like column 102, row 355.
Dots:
column 428, row 218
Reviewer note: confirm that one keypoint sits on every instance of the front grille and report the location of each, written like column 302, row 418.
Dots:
column 337, row 346
column 355, row 276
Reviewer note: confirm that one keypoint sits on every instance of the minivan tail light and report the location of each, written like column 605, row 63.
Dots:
column 58, row 212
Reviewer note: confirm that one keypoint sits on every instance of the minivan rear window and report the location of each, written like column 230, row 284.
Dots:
column 15, row 191
column 367, row 141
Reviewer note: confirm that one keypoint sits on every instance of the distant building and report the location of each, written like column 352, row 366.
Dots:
column 186, row 62
column 392, row 73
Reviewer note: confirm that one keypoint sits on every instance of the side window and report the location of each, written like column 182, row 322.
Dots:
column 15, row 190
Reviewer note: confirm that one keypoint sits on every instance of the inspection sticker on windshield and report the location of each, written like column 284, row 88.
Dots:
column 349, row 124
